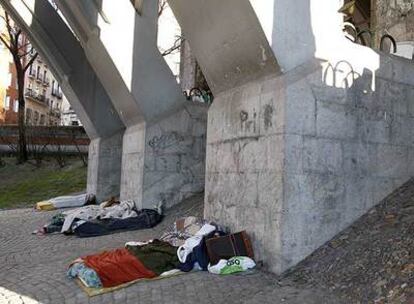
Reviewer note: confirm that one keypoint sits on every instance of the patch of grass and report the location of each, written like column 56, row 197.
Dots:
column 24, row 185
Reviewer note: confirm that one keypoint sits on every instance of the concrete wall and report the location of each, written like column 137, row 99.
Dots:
column 395, row 17
column 172, row 153
column 354, row 148
column 175, row 156
column 295, row 161
column 104, row 179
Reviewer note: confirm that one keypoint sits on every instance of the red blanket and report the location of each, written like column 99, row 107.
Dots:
column 116, row 267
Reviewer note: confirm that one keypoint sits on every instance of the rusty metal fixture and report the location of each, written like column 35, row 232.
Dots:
column 360, row 37
column 389, row 37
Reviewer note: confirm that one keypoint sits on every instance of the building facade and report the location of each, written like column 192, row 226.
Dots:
column 8, row 88
column 69, row 117
column 43, row 93
column 44, row 97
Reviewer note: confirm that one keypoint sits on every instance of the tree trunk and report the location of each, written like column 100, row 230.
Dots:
column 22, row 151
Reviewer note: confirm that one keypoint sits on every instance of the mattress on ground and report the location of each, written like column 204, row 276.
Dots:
column 44, row 206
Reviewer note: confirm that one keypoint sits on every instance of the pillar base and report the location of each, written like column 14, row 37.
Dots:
column 104, row 167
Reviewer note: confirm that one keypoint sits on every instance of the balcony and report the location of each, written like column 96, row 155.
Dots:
column 57, row 93
column 54, row 113
column 46, row 82
column 37, row 97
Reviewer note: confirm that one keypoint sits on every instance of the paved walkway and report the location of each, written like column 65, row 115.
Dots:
column 32, row 270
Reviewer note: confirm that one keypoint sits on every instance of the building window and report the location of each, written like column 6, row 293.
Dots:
column 28, row 116
column 32, row 50
column 16, row 106
column 53, row 87
column 38, row 72
column 32, row 70
column 42, row 120
column 44, row 76
column 7, row 103
column 36, row 118
column 59, row 92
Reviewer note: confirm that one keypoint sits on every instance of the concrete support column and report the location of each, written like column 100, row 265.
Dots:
column 307, row 130
column 245, row 122
column 62, row 52
column 103, row 178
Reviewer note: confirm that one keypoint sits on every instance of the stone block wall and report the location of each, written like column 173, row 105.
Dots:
column 294, row 161
column 356, row 148
column 395, row 17
column 165, row 161
column 244, row 178
column 103, row 177
column 175, row 156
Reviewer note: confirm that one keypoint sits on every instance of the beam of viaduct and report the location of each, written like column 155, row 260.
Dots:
column 163, row 155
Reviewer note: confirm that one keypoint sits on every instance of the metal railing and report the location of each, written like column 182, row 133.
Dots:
column 38, row 97
column 367, row 37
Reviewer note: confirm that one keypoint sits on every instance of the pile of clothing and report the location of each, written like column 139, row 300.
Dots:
column 182, row 248
column 66, row 202
column 96, row 220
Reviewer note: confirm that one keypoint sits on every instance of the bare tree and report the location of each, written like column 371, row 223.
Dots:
column 162, row 6
column 23, row 57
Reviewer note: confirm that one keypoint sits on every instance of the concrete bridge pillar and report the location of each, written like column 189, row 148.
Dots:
column 300, row 140
column 163, row 149
column 60, row 49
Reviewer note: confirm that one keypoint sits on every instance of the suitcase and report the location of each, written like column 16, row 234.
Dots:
column 226, row 247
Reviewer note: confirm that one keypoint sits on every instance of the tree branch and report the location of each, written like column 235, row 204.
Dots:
column 5, row 43
column 161, row 7
column 176, row 46
column 30, row 62
column 21, row 55
column 9, row 30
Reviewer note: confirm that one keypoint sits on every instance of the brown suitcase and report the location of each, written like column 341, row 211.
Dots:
column 225, row 247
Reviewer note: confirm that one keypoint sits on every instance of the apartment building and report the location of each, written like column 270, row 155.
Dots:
column 43, row 94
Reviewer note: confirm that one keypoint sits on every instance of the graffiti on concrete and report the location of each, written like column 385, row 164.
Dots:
column 158, row 143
